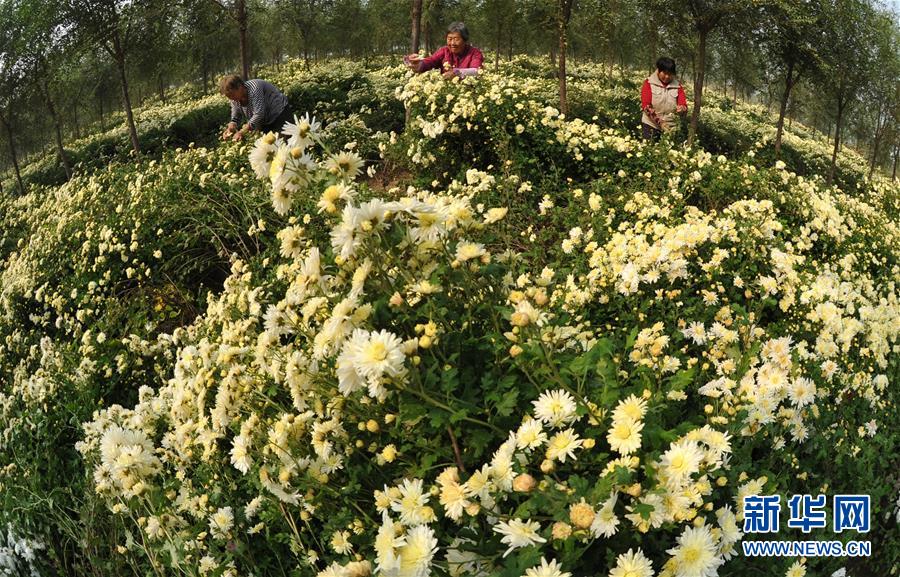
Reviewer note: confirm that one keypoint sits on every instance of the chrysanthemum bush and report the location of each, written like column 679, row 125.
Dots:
column 559, row 351
column 403, row 391
column 92, row 274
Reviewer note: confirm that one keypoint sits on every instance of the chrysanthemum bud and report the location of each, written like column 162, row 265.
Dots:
column 519, row 319
column 523, row 483
column 561, row 530
column 581, row 515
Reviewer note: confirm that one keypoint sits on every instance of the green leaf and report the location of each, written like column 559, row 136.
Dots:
column 682, row 379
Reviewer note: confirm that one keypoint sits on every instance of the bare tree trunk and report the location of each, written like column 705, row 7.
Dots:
column 56, row 125
column 241, row 17
column 497, row 53
column 788, row 84
column 416, row 25
column 879, row 132
column 119, row 54
column 565, row 12
column 700, row 74
column 837, row 143
column 12, row 152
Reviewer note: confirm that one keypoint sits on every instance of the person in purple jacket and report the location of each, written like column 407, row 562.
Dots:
column 457, row 58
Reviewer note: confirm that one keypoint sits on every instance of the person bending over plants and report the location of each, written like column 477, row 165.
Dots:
column 264, row 106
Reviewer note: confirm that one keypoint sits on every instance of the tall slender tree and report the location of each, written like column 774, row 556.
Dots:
column 791, row 35
column 702, row 18
column 111, row 25
column 11, row 79
column 848, row 61
column 416, row 17
column 563, row 15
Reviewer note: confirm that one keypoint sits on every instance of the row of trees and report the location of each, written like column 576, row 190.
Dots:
column 64, row 66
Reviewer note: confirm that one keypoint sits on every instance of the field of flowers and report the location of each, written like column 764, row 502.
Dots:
column 496, row 341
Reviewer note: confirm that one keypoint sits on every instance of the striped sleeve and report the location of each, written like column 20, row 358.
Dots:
column 257, row 104
column 235, row 111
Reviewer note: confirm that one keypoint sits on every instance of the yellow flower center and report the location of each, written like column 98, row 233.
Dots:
column 377, row 351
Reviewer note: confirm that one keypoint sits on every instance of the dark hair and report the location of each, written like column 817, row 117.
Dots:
column 460, row 29
column 229, row 83
column 666, row 64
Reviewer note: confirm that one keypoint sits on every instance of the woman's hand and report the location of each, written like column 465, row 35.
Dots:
column 412, row 60
column 681, row 108
column 240, row 133
column 229, row 130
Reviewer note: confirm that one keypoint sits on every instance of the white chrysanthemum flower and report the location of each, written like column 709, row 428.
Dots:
column 606, row 523
column 625, row 436
column 802, row 392
column 252, row 507
column 302, row 132
column 556, row 408
column 695, row 555
column 388, row 540
column 551, row 569
column 562, row 445
column 416, row 555
column 330, row 196
column 696, row 332
column 260, row 156
column 495, row 215
column 730, row 533
column 412, row 504
column 240, row 454
column 657, row 512
column 127, row 458
column 632, row 564
column 349, row 380
column 291, row 241
column 345, row 164
column 340, row 542
column 797, row 569
column 517, row 533
column 681, row 461
column 375, row 354
column 454, row 499
column 633, row 408
column 501, row 469
column 333, row 570
column 469, row 250
column 221, row 522
column 282, row 200
column 530, row 435
column 277, row 166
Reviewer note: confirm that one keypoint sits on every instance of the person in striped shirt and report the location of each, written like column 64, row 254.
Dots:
column 264, row 106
